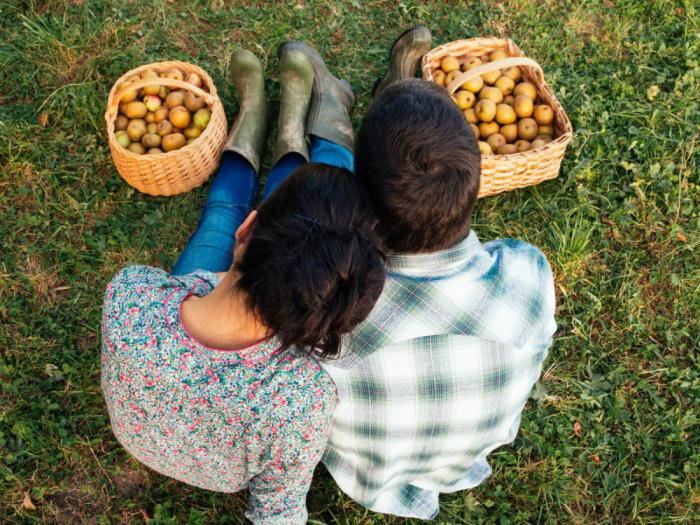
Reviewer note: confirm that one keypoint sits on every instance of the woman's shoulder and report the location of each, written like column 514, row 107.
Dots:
column 305, row 370
column 143, row 286
column 140, row 281
column 141, row 275
column 304, row 389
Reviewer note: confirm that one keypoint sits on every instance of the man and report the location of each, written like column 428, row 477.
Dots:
column 438, row 375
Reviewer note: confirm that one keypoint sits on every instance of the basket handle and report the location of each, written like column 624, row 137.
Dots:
column 491, row 66
column 113, row 109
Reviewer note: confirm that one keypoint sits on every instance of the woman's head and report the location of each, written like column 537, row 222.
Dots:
column 311, row 266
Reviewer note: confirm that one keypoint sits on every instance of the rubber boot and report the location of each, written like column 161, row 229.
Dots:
column 331, row 100
column 296, row 80
column 247, row 135
column 405, row 56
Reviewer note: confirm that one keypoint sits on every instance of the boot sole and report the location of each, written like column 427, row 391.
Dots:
column 405, row 33
column 379, row 80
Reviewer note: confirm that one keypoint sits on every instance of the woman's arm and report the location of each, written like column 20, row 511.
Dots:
column 278, row 494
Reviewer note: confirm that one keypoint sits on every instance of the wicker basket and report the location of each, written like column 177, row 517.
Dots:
column 179, row 170
column 507, row 172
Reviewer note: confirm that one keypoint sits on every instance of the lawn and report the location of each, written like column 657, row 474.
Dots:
column 611, row 434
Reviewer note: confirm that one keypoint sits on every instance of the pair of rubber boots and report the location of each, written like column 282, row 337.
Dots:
column 312, row 102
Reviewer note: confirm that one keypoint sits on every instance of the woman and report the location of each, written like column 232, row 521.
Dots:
column 203, row 374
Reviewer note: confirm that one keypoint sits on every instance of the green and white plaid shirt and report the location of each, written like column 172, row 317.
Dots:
column 438, row 375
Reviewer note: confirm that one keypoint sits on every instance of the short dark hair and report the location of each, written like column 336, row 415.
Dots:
column 313, row 267
column 420, row 162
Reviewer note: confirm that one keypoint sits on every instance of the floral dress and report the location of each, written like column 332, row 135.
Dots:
column 220, row 420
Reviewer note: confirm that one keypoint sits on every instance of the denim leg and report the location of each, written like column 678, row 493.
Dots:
column 321, row 151
column 280, row 172
column 228, row 203
column 331, row 153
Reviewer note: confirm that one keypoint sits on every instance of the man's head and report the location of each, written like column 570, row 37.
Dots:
column 420, row 162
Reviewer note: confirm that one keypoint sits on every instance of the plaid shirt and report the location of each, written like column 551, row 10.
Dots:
column 438, row 375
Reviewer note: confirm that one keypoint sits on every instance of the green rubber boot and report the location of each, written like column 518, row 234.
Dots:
column 296, row 81
column 247, row 135
column 331, row 101
column 405, row 55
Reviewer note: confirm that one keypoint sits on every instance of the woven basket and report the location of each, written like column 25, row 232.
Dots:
column 179, row 170
column 501, row 173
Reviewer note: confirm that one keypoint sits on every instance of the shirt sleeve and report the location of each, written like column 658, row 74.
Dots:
column 278, row 493
column 547, row 326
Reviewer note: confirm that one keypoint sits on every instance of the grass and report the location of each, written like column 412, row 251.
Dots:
column 611, row 434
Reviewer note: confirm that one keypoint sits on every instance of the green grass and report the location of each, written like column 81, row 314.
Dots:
column 620, row 226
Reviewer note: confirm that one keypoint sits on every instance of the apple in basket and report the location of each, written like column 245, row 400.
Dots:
column 157, row 119
column 504, row 110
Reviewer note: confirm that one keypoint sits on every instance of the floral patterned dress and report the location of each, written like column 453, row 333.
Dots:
column 220, row 420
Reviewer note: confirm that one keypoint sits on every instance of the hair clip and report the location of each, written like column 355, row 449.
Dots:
column 314, row 223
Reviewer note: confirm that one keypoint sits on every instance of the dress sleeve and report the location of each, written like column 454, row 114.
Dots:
column 123, row 287
column 278, row 493
column 128, row 285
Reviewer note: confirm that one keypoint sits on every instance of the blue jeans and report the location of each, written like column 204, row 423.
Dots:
column 231, row 198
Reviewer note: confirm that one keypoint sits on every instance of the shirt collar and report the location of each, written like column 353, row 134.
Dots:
column 434, row 264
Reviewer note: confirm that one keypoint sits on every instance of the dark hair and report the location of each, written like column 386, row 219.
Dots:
column 313, row 267
column 420, row 162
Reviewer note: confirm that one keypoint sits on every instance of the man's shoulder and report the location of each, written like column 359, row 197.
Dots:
column 503, row 292
column 525, row 281
column 516, row 250
column 519, row 261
